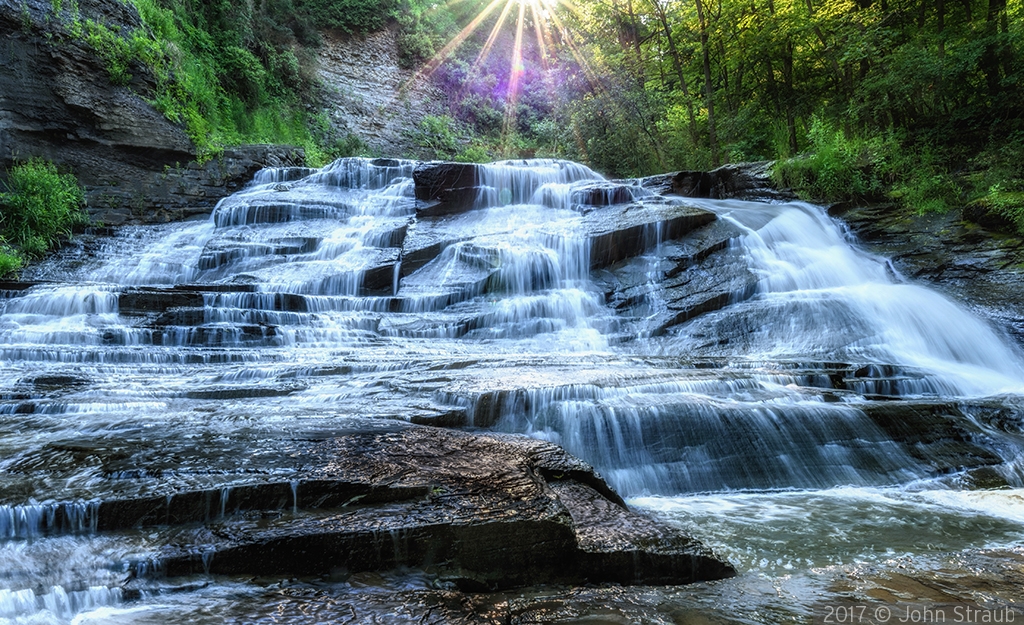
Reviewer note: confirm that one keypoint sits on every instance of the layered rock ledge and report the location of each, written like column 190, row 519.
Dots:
column 57, row 102
column 482, row 511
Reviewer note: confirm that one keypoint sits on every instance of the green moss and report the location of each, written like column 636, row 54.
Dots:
column 1007, row 201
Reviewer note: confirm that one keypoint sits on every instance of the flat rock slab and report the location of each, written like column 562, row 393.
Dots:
column 482, row 511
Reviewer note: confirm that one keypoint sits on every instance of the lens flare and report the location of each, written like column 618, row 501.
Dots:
column 549, row 31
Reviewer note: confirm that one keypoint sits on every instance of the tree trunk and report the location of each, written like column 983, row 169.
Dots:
column 629, row 38
column 787, row 81
column 677, row 64
column 940, row 12
column 708, row 88
column 991, row 56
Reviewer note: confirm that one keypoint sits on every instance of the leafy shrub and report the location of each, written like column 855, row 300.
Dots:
column 351, row 16
column 473, row 154
column 437, row 136
column 928, row 192
column 838, row 168
column 1007, row 201
column 40, row 206
column 10, row 260
column 117, row 52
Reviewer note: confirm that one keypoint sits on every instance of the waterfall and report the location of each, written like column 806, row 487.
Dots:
column 820, row 297
column 707, row 357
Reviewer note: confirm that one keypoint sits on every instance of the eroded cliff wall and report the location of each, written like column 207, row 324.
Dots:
column 57, row 102
column 367, row 94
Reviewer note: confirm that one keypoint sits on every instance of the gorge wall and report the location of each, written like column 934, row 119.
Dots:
column 137, row 166
column 368, row 95
column 58, row 103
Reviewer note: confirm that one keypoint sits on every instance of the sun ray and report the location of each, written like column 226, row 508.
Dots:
column 514, row 74
column 550, row 31
column 435, row 61
column 588, row 71
column 492, row 37
column 538, row 30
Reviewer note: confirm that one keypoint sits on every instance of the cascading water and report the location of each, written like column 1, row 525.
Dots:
column 822, row 298
column 760, row 387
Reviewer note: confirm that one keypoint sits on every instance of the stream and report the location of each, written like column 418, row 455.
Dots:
column 833, row 430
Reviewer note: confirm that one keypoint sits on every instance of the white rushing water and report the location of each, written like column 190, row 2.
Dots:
column 821, row 297
column 835, row 416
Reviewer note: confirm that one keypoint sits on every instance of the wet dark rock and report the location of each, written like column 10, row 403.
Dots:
column 428, row 237
column 482, row 511
column 220, row 253
column 700, row 243
column 180, row 317
column 58, row 382
column 211, row 335
column 245, row 392
column 744, row 181
column 695, row 274
column 687, row 299
column 242, row 211
column 444, row 418
column 940, row 434
column 380, row 279
column 375, row 276
column 446, row 188
column 144, row 300
column 622, row 232
column 602, row 194
column 17, row 286
column 215, row 288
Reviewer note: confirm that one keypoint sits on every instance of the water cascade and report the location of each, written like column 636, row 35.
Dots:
column 739, row 369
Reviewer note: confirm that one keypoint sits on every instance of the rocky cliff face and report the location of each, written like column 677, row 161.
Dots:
column 367, row 94
column 57, row 102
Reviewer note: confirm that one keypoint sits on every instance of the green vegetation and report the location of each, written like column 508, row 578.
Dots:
column 350, row 16
column 230, row 73
column 39, row 207
column 917, row 101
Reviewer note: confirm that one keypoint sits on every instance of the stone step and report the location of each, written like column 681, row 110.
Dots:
column 481, row 511
column 245, row 211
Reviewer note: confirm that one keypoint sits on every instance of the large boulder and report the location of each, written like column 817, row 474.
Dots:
column 744, row 181
column 481, row 511
column 446, row 188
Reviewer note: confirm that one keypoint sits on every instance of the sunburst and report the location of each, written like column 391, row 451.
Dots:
column 549, row 29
